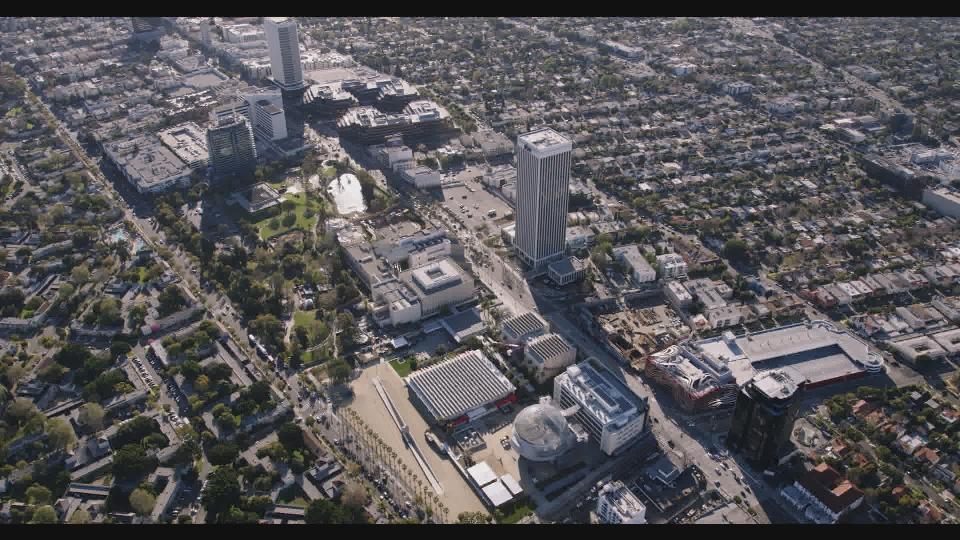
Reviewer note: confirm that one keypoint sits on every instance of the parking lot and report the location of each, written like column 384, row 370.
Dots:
column 472, row 203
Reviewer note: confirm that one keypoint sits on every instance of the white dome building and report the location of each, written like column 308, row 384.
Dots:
column 541, row 432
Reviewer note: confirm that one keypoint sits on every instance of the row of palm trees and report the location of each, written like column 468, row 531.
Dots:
column 374, row 447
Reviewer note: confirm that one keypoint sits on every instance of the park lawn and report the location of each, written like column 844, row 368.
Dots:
column 303, row 318
column 521, row 511
column 307, row 358
column 401, row 367
column 304, row 223
column 292, row 495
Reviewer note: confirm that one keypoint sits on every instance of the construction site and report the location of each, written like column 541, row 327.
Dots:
column 633, row 329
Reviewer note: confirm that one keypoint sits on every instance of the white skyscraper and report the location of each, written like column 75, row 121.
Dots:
column 284, row 48
column 543, row 186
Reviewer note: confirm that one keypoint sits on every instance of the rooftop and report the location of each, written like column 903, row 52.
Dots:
column 459, row 385
column 566, row 266
column 146, row 160
column 188, row 142
column 279, row 20
column 621, row 498
column 606, row 399
column 437, row 275
column 545, row 141
column 777, row 384
column 818, row 350
column 548, row 346
column 520, row 326
column 541, row 432
column 823, row 482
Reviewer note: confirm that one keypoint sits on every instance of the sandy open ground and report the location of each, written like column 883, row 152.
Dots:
column 457, row 495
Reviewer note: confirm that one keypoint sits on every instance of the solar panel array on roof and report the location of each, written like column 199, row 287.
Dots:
column 454, row 387
column 524, row 325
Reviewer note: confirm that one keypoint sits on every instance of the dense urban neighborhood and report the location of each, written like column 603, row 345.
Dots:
column 487, row 270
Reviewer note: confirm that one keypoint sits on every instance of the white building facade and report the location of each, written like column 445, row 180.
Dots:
column 284, row 46
column 613, row 415
column 671, row 266
column 617, row 505
column 543, row 191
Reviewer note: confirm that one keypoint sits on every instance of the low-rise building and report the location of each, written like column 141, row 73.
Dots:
column 678, row 295
column 421, row 292
column 822, row 496
column 420, row 176
column 548, row 355
column 566, row 271
column 524, row 327
column 943, row 200
column 640, row 269
column 672, row 266
column 617, row 505
column 913, row 348
column 463, row 388
column 148, row 165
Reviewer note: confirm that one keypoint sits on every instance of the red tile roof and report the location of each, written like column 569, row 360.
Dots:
column 824, row 483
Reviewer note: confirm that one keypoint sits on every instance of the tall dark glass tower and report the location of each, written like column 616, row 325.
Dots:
column 766, row 408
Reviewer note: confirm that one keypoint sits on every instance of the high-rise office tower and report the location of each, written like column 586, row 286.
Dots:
column 205, row 31
column 263, row 109
column 231, row 147
column 147, row 28
column 763, row 418
column 284, row 47
column 543, row 186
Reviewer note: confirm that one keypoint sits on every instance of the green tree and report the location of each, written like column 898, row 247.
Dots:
column 131, row 461
column 290, row 436
column 339, row 370
column 44, row 515
column 80, row 517
column 223, row 453
column 354, row 496
column 142, row 501
column 223, row 490
column 21, row 410
column 322, row 511
column 60, row 433
column 269, row 329
column 72, row 356
column 37, row 494
column 736, row 250
column 474, row 518
column 91, row 417
column 80, row 274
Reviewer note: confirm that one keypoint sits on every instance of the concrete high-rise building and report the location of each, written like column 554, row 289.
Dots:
column 147, row 28
column 231, row 147
column 763, row 418
column 282, row 41
column 270, row 123
column 543, row 193
column 262, row 108
column 205, row 32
